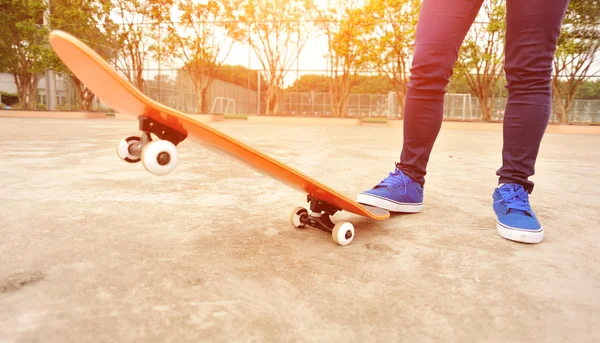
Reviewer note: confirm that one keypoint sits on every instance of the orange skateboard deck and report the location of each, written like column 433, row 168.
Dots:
column 159, row 156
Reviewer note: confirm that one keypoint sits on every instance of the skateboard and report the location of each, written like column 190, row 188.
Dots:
column 163, row 128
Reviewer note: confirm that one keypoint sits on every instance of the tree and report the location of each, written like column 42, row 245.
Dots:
column 133, row 37
column 277, row 31
column 372, row 84
column 482, row 55
column 194, row 38
column 241, row 76
column 589, row 90
column 341, row 22
column 161, row 87
column 89, row 21
column 24, row 48
column 578, row 44
column 391, row 41
column 311, row 83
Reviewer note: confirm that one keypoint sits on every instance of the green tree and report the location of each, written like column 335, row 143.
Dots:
column 196, row 38
column 277, row 31
column 133, row 34
column 311, row 83
column 341, row 23
column 589, row 90
column 370, row 84
column 482, row 55
column 89, row 21
column 241, row 76
column 578, row 44
column 24, row 48
column 373, row 84
column 391, row 40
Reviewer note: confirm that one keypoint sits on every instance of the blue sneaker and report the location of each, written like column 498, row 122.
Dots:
column 397, row 193
column 516, row 220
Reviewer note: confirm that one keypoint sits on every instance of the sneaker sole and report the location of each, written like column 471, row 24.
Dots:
column 389, row 205
column 519, row 235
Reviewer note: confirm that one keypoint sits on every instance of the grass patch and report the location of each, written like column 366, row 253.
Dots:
column 235, row 116
column 379, row 120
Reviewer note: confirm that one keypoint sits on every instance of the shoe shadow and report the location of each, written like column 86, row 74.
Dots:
column 367, row 223
column 400, row 214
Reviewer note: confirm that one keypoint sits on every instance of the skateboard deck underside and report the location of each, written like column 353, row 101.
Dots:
column 118, row 93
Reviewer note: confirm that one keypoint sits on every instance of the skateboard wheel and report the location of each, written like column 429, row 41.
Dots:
column 160, row 157
column 296, row 215
column 343, row 233
column 124, row 151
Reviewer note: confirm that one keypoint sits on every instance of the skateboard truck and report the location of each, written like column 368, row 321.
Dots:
column 319, row 218
column 320, row 212
column 148, row 125
column 158, row 157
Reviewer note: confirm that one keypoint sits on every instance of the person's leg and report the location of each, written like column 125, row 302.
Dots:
column 441, row 30
column 532, row 31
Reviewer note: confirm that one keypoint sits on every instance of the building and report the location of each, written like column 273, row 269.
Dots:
column 62, row 85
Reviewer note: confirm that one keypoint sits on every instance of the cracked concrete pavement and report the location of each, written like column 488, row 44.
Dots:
column 94, row 249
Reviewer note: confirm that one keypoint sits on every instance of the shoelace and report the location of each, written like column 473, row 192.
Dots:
column 515, row 197
column 395, row 179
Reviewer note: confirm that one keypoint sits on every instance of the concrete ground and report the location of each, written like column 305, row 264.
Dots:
column 94, row 249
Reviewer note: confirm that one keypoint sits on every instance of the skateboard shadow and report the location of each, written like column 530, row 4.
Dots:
column 367, row 223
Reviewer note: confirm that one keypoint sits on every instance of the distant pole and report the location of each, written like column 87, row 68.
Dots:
column 298, row 110
column 159, row 69
column 258, row 93
column 249, row 54
column 50, row 76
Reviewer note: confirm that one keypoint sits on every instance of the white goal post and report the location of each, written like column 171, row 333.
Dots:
column 223, row 105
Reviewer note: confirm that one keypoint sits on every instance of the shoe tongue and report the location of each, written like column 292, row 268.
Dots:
column 510, row 209
column 385, row 183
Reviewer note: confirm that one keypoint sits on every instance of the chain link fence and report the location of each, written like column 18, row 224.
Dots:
column 176, row 89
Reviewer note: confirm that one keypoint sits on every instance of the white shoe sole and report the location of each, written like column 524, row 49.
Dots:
column 519, row 235
column 389, row 205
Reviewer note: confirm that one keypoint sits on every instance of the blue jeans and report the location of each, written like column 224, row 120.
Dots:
column 532, row 30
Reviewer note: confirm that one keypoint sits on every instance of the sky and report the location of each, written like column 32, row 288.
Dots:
column 311, row 60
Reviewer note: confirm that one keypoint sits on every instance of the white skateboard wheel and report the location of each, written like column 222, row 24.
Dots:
column 295, row 217
column 343, row 233
column 160, row 157
column 124, row 151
